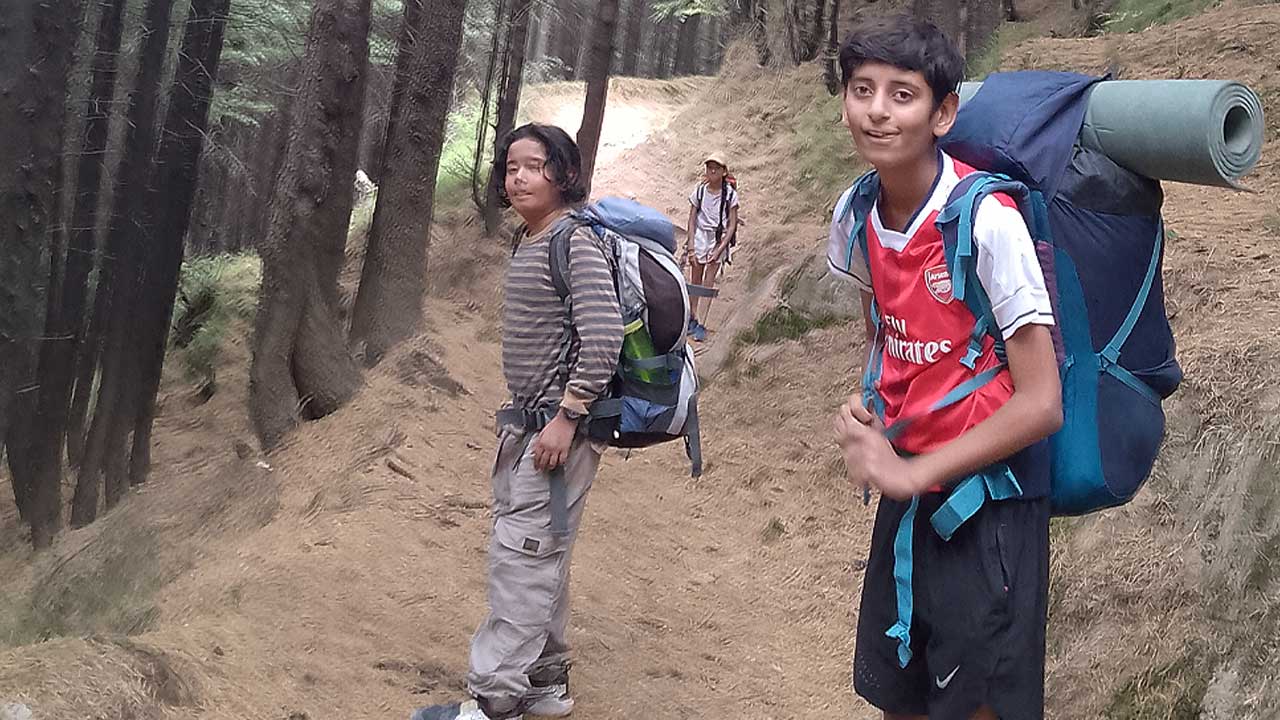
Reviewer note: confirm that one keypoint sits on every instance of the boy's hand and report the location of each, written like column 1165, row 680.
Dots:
column 720, row 250
column 869, row 459
column 551, row 447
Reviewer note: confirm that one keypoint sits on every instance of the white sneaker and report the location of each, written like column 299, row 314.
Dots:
column 469, row 710
column 552, row 701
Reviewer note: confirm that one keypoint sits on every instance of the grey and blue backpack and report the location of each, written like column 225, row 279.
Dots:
column 653, row 399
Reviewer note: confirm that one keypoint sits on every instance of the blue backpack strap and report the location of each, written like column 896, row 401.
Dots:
column 1110, row 355
column 969, row 495
column 859, row 203
column 903, row 563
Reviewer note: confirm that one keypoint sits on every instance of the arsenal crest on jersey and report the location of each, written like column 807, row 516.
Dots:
column 938, row 280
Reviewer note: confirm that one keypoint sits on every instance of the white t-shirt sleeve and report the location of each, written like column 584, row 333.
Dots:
column 1009, row 269
column 845, row 262
column 733, row 195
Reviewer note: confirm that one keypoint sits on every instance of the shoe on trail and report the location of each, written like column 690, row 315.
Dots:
column 469, row 710
column 551, row 701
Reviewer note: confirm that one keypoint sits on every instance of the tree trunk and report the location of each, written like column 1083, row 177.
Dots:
column 831, row 73
column 86, row 368
column 568, row 38
column 536, row 37
column 300, row 364
column 582, row 19
column 982, row 19
column 760, row 32
column 814, row 36
column 659, row 42
column 741, row 13
column 131, row 232
column 508, row 104
column 388, row 305
column 597, row 86
column 39, row 40
column 173, row 190
column 636, row 15
column 410, row 30
column 492, row 80
column 804, row 28
column 64, row 327
column 946, row 14
column 686, row 46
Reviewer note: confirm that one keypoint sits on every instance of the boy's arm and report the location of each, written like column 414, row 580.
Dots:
column 597, row 321
column 868, row 325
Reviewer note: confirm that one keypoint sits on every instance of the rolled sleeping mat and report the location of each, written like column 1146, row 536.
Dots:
column 1205, row 132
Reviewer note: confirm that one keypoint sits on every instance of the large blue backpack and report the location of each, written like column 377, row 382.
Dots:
column 1100, row 240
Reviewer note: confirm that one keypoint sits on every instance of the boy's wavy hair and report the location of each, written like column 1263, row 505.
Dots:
column 906, row 43
column 564, row 162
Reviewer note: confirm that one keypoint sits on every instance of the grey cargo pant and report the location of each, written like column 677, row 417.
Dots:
column 528, row 570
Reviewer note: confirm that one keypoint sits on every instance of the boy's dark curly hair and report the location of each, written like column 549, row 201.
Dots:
column 907, row 43
column 564, row 162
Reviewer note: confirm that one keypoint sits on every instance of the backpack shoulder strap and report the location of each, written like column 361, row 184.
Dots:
column 558, row 251
column 956, row 223
column 861, row 198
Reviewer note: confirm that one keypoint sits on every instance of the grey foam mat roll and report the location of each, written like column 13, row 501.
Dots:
column 1206, row 132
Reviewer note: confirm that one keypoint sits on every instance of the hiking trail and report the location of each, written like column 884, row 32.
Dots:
column 343, row 575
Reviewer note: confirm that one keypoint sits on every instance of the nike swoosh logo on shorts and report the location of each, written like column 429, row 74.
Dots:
column 941, row 683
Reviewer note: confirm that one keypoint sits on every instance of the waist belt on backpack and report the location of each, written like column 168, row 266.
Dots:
column 533, row 421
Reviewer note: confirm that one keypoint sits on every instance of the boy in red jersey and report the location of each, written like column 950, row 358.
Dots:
column 953, row 627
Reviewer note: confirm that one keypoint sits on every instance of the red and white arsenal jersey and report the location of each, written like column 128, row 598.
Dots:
column 925, row 329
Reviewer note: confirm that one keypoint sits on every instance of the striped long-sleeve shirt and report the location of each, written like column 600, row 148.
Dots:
column 533, row 325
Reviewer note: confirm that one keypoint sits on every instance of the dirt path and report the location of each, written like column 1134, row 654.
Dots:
column 343, row 576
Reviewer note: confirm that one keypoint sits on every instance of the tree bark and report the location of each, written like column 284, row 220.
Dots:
column 173, row 191
column 602, row 31
column 492, row 81
column 946, row 14
column 388, row 305
column 636, row 14
column 568, row 40
column 831, row 73
column 804, row 28
column 300, row 364
column 508, row 104
column 39, row 40
column 42, row 459
column 760, row 32
column 534, row 35
column 982, row 18
column 410, row 30
column 687, row 46
column 131, row 232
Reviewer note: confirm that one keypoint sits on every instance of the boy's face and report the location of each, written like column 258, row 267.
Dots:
column 530, row 188
column 891, row 115
column 714, row 172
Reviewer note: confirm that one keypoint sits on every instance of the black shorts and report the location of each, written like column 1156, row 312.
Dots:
column 978, row 626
